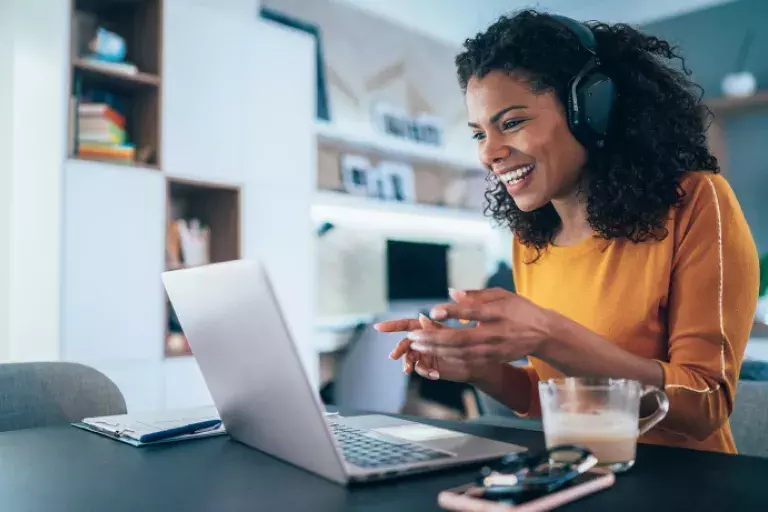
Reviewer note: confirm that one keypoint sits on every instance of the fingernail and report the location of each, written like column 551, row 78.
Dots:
column 392, row 355
column 434, row 375
column 456, row 294
column 418, row 347
column 438, row 314
column 413, row 336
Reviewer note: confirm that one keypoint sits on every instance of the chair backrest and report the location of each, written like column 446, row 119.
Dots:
column 367, row 380
column 749, row 419
column 493, row 412
column 54, row 393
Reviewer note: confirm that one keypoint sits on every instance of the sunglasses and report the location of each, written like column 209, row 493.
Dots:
column 523, row 476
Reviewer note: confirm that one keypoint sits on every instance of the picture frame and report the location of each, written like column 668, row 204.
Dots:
column 399, row 183
column 355, row 171
column 397, row 122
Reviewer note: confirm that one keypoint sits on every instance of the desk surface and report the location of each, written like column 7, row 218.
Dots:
column 67, row 469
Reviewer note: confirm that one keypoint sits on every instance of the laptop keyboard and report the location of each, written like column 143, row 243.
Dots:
column 362, row 450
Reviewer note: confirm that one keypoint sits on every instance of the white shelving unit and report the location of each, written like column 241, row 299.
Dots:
column 350, row 210
column 362, row 138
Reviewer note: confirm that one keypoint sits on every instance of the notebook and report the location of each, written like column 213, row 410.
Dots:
column 157, row 427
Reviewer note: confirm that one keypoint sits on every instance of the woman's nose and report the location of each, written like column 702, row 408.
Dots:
column 494, row 151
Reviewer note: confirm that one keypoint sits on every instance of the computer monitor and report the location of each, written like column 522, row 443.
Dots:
column 417, row 271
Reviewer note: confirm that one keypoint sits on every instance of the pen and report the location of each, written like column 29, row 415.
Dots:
column 192, row 428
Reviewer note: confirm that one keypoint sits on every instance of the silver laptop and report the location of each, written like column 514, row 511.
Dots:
column 253, row 370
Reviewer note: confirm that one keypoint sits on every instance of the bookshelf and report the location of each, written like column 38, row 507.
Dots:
column 366, row 141
column 217, row 208
column 130, row 84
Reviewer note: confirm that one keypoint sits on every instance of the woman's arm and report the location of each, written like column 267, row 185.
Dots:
column 712, row 300
column 514, row 386
column 576, row 351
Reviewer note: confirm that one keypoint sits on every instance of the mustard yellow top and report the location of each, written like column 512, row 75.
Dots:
column 687, row 301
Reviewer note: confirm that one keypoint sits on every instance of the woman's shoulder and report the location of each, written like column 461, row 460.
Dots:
column 708, row 198
column 703, row 182
column 703, row 190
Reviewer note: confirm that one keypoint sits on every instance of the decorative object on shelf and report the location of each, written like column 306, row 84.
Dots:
column 107, row 46
column 107, row 50
column 195, row 242
column 741, row 83
column 377, row 187
column 395, row 121
column 398, row 181
column 323, row 109
column 354, row 174
column 173, row 247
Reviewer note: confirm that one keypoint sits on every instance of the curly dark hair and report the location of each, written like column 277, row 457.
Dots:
column 656, row 132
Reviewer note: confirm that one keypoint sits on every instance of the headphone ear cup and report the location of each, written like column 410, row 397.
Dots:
column 596, row 95
column 570, row 111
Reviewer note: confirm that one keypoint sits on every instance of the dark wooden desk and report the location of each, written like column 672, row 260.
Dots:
column 66, row 469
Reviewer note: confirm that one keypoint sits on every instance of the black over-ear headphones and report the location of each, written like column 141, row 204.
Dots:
column 590, row 93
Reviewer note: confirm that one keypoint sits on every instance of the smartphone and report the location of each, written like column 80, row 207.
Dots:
column 468, row 498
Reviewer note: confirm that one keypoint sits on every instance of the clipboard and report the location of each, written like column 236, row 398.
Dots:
column 157, row 428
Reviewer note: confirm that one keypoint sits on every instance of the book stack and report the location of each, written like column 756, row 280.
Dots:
column 101, row 134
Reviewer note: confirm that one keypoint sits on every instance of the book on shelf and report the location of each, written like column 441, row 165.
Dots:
column 100, row 111
column 101, row 134
column 114, row 152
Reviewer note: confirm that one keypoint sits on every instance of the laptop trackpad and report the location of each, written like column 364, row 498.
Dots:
column 418, row 433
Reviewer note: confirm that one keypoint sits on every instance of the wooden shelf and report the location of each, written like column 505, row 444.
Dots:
column 217, row 207
column 134, row 96
column 367, row 141
column 329, row 198
column 99, row 75
column 421, row 221
column 729, row 106
column 137, row 165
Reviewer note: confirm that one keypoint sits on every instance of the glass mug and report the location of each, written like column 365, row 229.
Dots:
column 599, row 414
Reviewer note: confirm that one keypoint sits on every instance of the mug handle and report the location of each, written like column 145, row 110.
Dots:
column 649, row 422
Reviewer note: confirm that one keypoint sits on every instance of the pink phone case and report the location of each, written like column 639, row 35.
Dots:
column 456, row 500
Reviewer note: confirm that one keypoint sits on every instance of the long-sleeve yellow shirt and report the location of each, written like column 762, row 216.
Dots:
column 687, row 301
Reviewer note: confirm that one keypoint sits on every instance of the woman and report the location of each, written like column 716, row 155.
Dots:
column 631, row 256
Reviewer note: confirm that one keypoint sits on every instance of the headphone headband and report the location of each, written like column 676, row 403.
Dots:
column 582, row 33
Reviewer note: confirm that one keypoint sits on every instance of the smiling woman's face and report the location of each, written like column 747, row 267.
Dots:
column 523, row 138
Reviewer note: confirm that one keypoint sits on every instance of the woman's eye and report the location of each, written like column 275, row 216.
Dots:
column 512, row 123
column 478, row 135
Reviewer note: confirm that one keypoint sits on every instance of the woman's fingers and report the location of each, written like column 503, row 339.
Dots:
column 479, row 296
column 427, row 372
column 480, row 335
column 465, row 311
column 400, row 349
column 401, row 325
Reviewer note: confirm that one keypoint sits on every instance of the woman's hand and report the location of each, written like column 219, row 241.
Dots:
column 428, row 366
column 508, row 328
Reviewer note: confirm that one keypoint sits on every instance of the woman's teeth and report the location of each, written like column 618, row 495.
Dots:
column 512, row 177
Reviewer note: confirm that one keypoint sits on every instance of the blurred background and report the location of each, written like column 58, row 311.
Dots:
column 325, row 137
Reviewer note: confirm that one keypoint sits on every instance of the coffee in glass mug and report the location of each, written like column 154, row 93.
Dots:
column 600, row 415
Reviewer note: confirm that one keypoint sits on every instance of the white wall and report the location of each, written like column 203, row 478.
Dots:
column 6, row 176
column 39, row 30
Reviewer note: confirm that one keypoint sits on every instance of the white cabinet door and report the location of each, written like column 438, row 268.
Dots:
column 281, row 159
column 204, row 90
column 114, row 226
